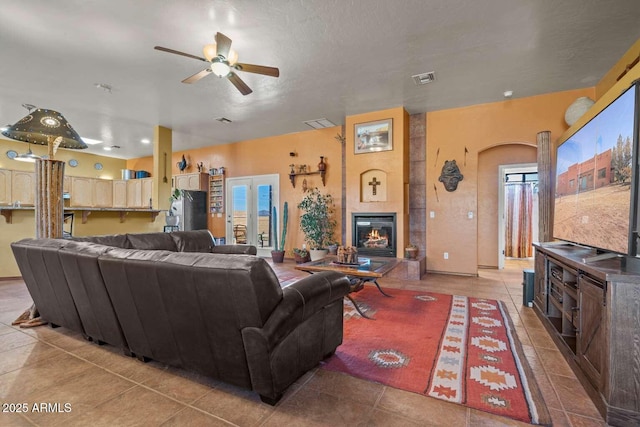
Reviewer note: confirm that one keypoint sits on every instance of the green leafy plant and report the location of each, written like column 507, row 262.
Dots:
column 316, row 221
column 300, row 252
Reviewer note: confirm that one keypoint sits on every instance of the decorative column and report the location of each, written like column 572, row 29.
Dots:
column 49, row 205
column 545, row 186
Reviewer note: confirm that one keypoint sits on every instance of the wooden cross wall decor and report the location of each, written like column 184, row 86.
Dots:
column 374, row 183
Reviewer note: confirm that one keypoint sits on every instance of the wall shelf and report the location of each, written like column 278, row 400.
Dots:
column 292, row 176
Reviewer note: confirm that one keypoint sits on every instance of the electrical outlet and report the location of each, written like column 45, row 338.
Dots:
column 446, row 255
column 470, row 214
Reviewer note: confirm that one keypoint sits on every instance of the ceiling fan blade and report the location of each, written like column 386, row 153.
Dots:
column 223, row 44
column 239, row 84
column 258, row 69
column 177, row 52
column 197, row 76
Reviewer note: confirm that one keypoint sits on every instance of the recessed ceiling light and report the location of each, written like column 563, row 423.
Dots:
column 145, row 140
column 508, row 93
column 91, row 141
column 320, row 123
column 424, row 78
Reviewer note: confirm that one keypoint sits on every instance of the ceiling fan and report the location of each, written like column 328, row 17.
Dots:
column 223, row 62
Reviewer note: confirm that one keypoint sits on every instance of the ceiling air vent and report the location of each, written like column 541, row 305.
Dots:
column 424, row 78
column 223, row 120
column 319, row 123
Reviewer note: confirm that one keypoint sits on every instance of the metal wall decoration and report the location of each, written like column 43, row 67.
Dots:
column 450, row 175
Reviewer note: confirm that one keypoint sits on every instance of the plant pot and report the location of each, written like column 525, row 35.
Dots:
column 172, row 220
column 333, row 249
column 411, row 253
column 317, row 254
column 301, row 259
column 277, row 256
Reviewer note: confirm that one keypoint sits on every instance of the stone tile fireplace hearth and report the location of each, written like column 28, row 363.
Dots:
column 374, row 234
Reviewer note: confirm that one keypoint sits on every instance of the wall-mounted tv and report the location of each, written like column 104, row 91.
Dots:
column 594, row 174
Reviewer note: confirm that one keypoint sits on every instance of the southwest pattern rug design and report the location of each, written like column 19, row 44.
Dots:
column 455, row 348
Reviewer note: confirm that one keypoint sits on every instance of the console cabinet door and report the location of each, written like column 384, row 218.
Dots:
column 23, row 187
column 590, row 336
column 540, row 282
column 5, row 187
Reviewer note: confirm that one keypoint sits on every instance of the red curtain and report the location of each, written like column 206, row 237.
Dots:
column 519, row 205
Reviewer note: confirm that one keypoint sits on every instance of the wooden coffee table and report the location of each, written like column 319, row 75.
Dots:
column 369, row 269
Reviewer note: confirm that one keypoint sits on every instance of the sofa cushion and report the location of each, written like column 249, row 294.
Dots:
column 154, row 241
column 193, row 241
column 115, row 240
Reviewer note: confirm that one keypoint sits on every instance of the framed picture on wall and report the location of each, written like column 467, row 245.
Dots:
column 374, row 136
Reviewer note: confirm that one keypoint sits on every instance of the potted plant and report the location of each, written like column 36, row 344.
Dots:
column 301, row 255
column 277, row 254
column 316, row 222
column 411, row 251
column 171, row 217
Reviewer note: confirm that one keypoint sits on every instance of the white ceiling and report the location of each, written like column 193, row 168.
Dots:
column 336, row 58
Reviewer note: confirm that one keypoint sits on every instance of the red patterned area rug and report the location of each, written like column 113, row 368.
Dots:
column 459, row 349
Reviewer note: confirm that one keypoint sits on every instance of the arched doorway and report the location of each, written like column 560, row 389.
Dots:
column 490, row 191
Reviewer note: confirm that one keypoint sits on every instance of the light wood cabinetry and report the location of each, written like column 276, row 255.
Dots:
column 84, row 192
column 139, row 192
column 5, row 187
column 147, row 192
column 192, row 181
column 590, row 307
column 23, row 187
column 81, row 190
column 119, row 193
column 103, row 193
column 134, row 193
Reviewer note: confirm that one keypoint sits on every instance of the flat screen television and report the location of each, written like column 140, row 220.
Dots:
column 594, row 196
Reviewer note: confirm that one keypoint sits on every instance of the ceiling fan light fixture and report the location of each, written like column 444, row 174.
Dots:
column 210, row 52
column 219, row 67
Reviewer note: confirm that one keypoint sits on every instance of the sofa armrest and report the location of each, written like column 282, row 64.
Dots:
column 273, row 365
column 235, row 249
column 300, row 301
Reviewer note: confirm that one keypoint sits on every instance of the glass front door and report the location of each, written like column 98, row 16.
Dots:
column 250, row 214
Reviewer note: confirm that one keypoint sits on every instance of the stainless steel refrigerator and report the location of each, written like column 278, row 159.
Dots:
column 192, row 210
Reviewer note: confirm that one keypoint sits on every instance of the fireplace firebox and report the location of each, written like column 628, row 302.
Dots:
column 374, row 234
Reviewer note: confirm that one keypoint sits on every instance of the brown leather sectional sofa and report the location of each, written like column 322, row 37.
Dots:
column 179, row 299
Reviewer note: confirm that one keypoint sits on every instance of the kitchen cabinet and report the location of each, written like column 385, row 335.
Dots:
column 103, row 193
column 81, row 191
column 5, row 187
column 23, row 187
column 119, row 193
column 192, row 181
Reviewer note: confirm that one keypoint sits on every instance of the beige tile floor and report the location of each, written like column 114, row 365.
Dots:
column 105, row 388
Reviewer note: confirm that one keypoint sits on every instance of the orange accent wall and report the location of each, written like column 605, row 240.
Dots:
column 270, row 156
column 394, row 162
column 477, row 128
